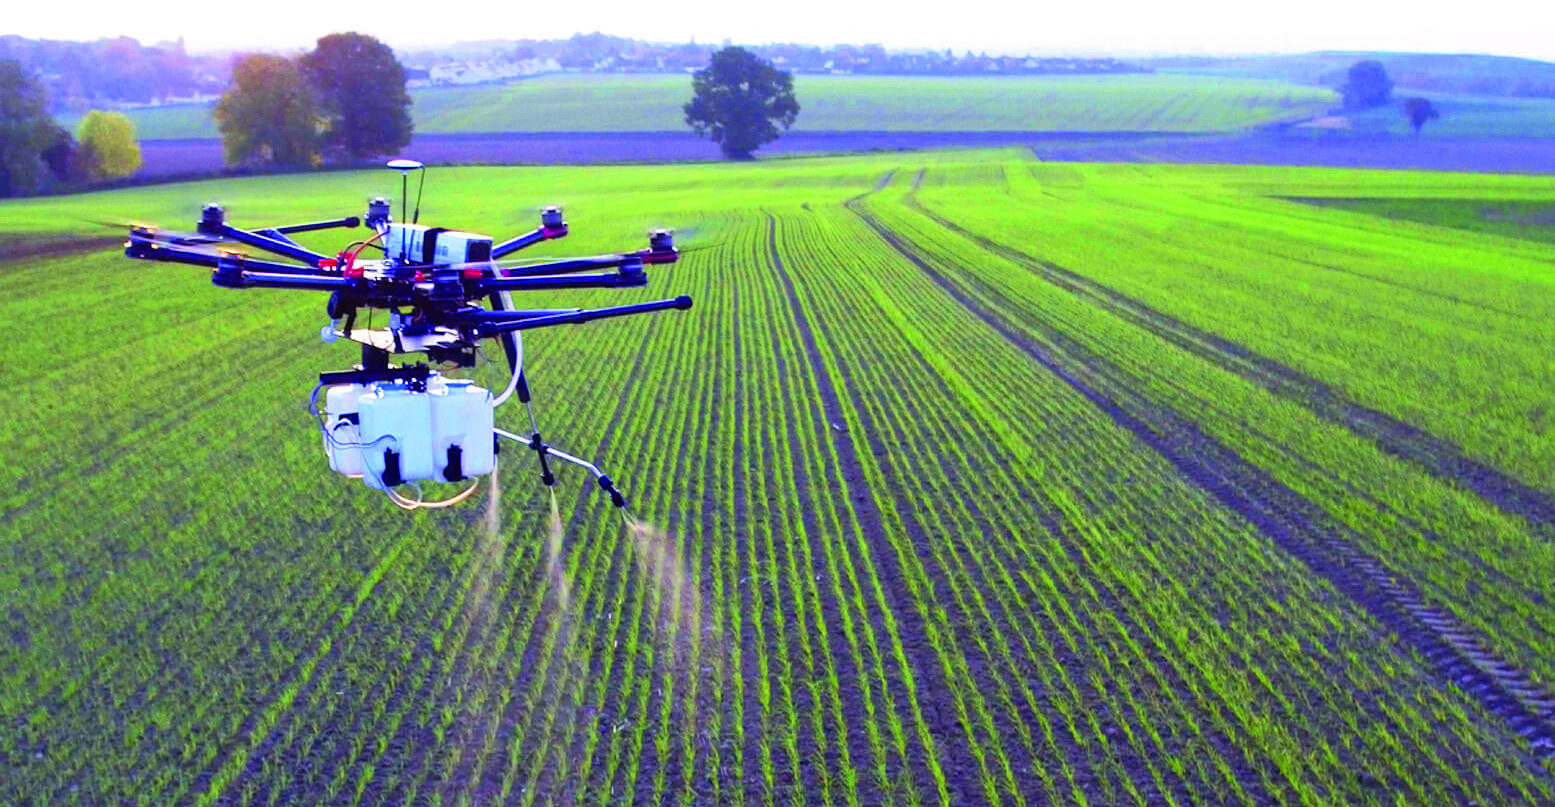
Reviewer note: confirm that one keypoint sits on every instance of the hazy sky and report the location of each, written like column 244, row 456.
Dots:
column 1506, row 27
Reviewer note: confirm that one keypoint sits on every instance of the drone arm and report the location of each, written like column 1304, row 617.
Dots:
column 568, row 266
column 604, row 280
column 280, row 247
column 169, row 254
column 348, row 221
column 496, row 327
column 561, row 267
column 544, row 232
column 280, row 233
column 277, row 235
column 247, row 279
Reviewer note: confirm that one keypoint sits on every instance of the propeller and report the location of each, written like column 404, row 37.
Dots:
column 155, row 232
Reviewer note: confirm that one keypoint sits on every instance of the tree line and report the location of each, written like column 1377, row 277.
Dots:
column 344, row 101
column 606, row 53
column 82, row 75
column 37, row 154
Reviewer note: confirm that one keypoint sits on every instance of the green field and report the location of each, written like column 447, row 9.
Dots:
column 972, row 479
column 1461, row 116
column 652, row 102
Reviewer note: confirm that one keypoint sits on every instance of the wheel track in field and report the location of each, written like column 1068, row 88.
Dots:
column 1436, row 456
column 934, row 691
column 1166, row 672
column 987, row 658
column 748, row 595
column 830, row 653
column 794, row 562
column 1284, row 516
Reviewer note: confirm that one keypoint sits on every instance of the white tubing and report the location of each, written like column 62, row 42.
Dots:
column 518, row 356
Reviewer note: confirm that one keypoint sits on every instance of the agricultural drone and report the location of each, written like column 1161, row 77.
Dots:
column 395, row 425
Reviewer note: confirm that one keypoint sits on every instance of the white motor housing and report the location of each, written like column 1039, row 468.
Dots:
column 396, row 428
column 342, row 435
column 463, row 430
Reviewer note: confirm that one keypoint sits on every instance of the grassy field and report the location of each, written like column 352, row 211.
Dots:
column 1461, row 116
column 969, row 479
column 636, row 102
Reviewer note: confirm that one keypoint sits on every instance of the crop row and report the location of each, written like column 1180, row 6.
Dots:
column 1427, row 528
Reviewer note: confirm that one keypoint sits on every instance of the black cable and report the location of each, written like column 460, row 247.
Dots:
column 420, row 186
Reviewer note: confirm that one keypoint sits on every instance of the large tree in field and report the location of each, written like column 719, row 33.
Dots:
column 1367, row 86
column 738, row 99
column 361, row 89
column 109, row 139
column 26, row 130
column 1419, row 111
column 269, row 114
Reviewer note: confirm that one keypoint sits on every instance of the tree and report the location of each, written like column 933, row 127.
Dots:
column 109, row 137
column 1367, row 86
column 269, row 114
column 26, row 130
column 737, row 98
column 1420, row 110
column 361, row 90
column 66, row 160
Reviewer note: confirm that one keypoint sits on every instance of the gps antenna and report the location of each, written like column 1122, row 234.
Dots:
column 405, row 167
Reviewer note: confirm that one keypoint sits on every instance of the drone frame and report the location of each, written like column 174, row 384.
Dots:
column 445, row 320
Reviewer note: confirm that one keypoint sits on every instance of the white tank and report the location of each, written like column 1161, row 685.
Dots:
column 340, row 423
column 462, row 417
column 392, row 410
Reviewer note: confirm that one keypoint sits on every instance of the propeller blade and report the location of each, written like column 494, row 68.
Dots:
column 153, row 232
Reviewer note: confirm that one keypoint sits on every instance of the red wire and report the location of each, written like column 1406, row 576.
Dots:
column 351, row 254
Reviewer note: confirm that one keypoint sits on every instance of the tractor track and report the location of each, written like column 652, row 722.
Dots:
column 1296, row 525
column 934, row 695
column 815, row 759
column 1436, row 456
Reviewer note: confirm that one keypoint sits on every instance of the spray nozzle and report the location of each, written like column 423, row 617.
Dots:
column 615, row 495
column 542, row 449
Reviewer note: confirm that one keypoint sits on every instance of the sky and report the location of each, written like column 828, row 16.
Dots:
column 1082, row 27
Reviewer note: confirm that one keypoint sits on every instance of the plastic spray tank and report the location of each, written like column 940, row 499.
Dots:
column 396, row 426
column 391, row 433
column 342, row 433
column 463, row 438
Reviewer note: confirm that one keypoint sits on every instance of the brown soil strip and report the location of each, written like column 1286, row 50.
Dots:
column 21, row 246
